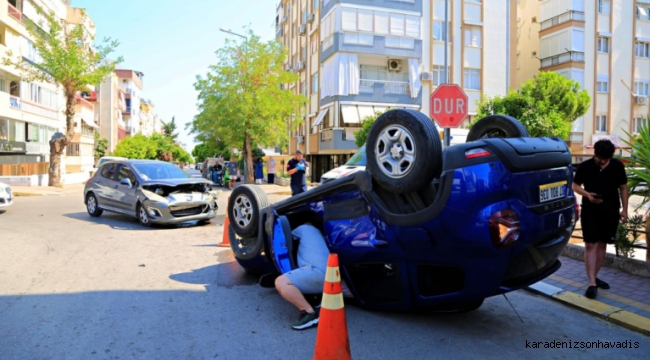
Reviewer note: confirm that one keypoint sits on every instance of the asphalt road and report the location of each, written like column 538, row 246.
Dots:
column 75, row 287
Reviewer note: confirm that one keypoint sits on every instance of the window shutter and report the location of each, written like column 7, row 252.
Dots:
column 413, row 26
column 397, row 24
column 349, row 19
column 365, row 20
column 381, row 23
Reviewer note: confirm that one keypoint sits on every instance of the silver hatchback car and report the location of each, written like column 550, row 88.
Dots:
column 152, row 191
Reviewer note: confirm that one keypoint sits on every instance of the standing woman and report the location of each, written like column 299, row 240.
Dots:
column 270, row 170
column 259, row 171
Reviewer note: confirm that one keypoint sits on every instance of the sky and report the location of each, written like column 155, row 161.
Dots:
column 173, row 41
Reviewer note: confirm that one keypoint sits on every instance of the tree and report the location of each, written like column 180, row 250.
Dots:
column 154, row 147
column 547, row 105
column 66, row 59
column 242, row 100
column 101, row 145
column 361, row 135
column 169, row 129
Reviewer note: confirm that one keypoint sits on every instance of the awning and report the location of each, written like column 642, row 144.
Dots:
column 320, row 117
column 350, row 114
column 89, row 123
column 365, row 111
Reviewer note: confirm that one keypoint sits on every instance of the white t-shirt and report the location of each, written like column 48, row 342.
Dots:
column 270, row 167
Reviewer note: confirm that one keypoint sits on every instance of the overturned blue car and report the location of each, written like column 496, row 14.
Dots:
column 423, row 228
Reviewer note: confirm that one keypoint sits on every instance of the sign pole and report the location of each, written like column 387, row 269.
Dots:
column 446, row 69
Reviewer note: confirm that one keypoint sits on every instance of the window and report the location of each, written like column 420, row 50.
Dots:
column 603, row 44
column 315, row 6
column 108, row 171
column 604, row 6
column 642, row 50
column 304, row 16
column 439, row 75
column 4, row 129
column 473, row 36
column 126, row 173
column 472, row 80
column 381, row 74
column 643, row 11
column 602, row 86
column 638, row 124
column 439, row 30
column 33, row 133
column 3, row 85
column 303, row 88
column 641, row 88
column 601, row 123
column 314, row 83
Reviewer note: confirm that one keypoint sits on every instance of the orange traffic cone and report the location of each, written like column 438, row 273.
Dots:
column 332, row 340
column 225, row 241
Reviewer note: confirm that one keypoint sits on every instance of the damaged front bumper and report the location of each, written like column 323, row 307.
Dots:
column 178, row 208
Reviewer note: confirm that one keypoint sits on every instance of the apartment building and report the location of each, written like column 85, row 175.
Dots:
column 131, row 82
column 602, row 44
column 356, row 57
column 30, row 113
column 110, row 100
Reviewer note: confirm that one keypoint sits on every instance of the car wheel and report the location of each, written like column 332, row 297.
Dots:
column 93, row 206
column 497, row 126
column 244, row 207
column 143, row 217
column 404, row 151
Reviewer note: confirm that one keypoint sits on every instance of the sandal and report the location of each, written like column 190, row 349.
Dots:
column 591, row 292
column 601, row 284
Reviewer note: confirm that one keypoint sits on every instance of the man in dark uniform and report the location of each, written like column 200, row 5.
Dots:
column 296, row 167
column 603, row 185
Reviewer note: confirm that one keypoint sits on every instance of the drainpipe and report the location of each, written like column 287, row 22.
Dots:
column 508, row 46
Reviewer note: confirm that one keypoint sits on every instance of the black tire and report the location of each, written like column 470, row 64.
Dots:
column 497, row 126
column 92, row 206
column 143, row 217
column 419, row 136
column 244, row 207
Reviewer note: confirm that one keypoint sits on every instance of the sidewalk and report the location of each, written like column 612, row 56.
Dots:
column 47, row 190
column 627, row 303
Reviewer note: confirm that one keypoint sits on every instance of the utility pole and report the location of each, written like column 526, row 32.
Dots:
column 446, row 25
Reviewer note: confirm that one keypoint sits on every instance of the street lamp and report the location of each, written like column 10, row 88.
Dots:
column 232, row 33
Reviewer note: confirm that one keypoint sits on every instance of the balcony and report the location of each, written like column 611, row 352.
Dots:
column 390, row 87
column 562, row 18
column 337, row 139
column 14, row 13
column 563, row 58
column 30, row 107
column 85, row 103
column 126, row 111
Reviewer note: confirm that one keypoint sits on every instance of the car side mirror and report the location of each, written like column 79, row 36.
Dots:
column 126, row 182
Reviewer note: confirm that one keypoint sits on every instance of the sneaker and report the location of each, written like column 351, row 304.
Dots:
column 306, row 320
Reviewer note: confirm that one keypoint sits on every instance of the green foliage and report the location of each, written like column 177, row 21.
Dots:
column 547, row 105
column 154, row 147
column 638, row 164
column 258, row 153
column 361, row 135
column 622, row 241
column 241, row 99
column 100, row 146
column 169, row 129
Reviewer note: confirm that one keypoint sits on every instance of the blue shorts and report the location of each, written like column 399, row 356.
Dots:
column 308, row 279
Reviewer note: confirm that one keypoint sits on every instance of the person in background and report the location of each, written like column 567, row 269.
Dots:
column 259, row 171
column 602, row 182
column 297, row 167
column 270, row 170
column 233, row 171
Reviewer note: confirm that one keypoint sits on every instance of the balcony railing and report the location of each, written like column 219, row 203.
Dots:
column 562, row 58
column 85, row 103
column 15, row 13
column 562, row 18
column 326, row 135
column 27, row 106
column 367, row 86
column 327, row 43
column 396, row 87
column 400, row 42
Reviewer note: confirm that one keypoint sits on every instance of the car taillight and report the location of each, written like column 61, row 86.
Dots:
column 87, row 181
column 476, row 153
column 504, row 228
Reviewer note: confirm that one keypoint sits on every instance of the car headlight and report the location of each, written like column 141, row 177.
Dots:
column 3, row 191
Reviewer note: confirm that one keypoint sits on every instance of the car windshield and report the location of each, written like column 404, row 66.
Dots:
column 160, row 171
column 358, row 159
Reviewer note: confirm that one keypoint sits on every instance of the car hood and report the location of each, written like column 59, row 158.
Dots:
column 176, row 182
column 342, row 171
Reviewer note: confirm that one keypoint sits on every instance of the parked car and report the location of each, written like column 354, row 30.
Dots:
column 152, row 191
column 423, row 228
column 6, row 196
column 104, row 159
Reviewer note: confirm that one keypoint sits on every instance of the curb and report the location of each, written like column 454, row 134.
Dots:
column 606, row 312
column 18, row 193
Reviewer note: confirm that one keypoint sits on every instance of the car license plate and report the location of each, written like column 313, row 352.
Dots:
column 552, row 191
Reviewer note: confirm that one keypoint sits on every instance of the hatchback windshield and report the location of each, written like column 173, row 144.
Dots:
column 359, row 159
column 160, row 171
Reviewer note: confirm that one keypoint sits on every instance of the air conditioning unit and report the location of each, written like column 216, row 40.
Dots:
column 426, row 76
column 301, row 139
column 287, row 66
column 641, row 100
column 302, row 30
column 300, row 65
column 394, row 65
column 283, row 20
column 311, row 18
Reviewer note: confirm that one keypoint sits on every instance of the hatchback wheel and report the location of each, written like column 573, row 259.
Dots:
column 93, row 206
column 244, row 207
column 143, row 217
column 497, row 126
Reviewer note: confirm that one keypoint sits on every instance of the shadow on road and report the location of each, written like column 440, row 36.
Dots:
column 123, row 222
column 2, row 211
